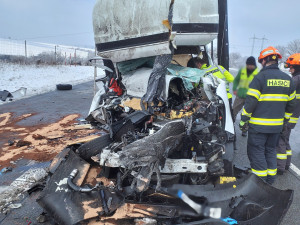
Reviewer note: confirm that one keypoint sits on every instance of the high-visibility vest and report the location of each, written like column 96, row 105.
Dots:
column 246, row 80
column 218, row 72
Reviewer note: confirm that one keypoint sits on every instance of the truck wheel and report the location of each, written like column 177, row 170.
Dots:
column 64, row 87
column 94, row 147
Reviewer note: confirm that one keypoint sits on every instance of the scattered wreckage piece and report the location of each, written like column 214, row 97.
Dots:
column 249, row 200
column 64, row 87
column 14, row 191
column 6, row 95
column 69, row 206
column 70, row 200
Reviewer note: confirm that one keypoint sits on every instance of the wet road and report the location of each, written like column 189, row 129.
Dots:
column 47, row 108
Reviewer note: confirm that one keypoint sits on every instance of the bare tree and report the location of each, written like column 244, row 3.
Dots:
column 293, row 47
column 283, row 51
column 235, row 59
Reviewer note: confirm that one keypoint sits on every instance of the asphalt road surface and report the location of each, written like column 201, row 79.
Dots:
column 53, row 105
column 47, row 108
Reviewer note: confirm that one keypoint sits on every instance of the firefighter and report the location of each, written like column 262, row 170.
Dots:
column 270, row 97
column 217, row 71
column 284, row 152
column 241, row 85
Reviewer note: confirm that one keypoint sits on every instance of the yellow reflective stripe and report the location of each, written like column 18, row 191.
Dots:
column 287, row 115
column 272, row 172
column 267, row 122
column 253, row 92
column 211, row 70
column 289, row 152
column 274, row 97
column 297, row 96
column 244, row 113
column 293, row 120
column 260, row 173
column 281, row 156
column 292, row 96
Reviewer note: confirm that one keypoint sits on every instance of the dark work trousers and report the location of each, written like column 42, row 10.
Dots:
column 237, row 106
column 284, row 151
column 261, row 149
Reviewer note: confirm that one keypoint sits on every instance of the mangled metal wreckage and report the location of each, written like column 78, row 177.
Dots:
column 168, row 144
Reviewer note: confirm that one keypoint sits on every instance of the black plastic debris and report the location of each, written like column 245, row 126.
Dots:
column 249, row 200
column 5, row 94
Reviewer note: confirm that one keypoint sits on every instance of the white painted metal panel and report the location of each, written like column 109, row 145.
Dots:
column 118, row 22
column 196, row 11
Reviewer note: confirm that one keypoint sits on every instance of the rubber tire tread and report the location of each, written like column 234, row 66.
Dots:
column 64, row 87
column 94, row 147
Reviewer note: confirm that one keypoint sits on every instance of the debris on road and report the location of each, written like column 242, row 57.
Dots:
column 5, row 169
column 64, row 87
column 13, row 192
column 5, row 95
column 22, row 143
column 10, row 142
column 74, row 182
column 40, row 143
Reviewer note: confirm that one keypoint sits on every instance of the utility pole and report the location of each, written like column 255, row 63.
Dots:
column 254, row 38
column 55, row 54
column 25, row 50
column 75, row 57
column 262, row 44
column 261, row 39
column 223, row 40
column 212, row 50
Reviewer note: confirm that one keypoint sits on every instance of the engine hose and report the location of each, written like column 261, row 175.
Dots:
column 74, row 186
column 104, row 205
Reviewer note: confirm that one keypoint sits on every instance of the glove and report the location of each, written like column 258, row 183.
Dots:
column 234, row 92
column 243, row 126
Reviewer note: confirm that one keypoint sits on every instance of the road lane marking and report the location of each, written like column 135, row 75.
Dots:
column 295, row 169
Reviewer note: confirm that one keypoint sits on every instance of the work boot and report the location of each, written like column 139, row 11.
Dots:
column 287, row 167
column 271, row 179
column 244, row 133
column 280, row 172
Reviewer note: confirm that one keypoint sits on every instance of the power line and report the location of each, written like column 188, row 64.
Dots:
column 262, row 43
column 261, row 39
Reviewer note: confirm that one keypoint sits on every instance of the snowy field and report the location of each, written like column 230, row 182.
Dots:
column 17, row 47
column 42, row 78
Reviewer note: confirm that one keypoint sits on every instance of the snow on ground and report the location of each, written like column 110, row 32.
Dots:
column 42, row 78
column 17, row 47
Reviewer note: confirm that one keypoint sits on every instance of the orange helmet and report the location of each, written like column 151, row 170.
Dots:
column 293, row 60
column 268, row 52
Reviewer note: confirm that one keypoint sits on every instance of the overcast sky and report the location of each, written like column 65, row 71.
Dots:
column 70, row 22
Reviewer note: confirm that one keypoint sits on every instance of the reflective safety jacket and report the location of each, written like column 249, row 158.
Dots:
column 296, row 113
column 220, row 72
column 271, row 97
column 242, row 80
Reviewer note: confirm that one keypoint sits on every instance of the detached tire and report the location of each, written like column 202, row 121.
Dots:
column 94, row 147
column 64, row 87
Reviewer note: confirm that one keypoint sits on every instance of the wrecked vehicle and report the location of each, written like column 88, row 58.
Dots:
column 169, row 142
